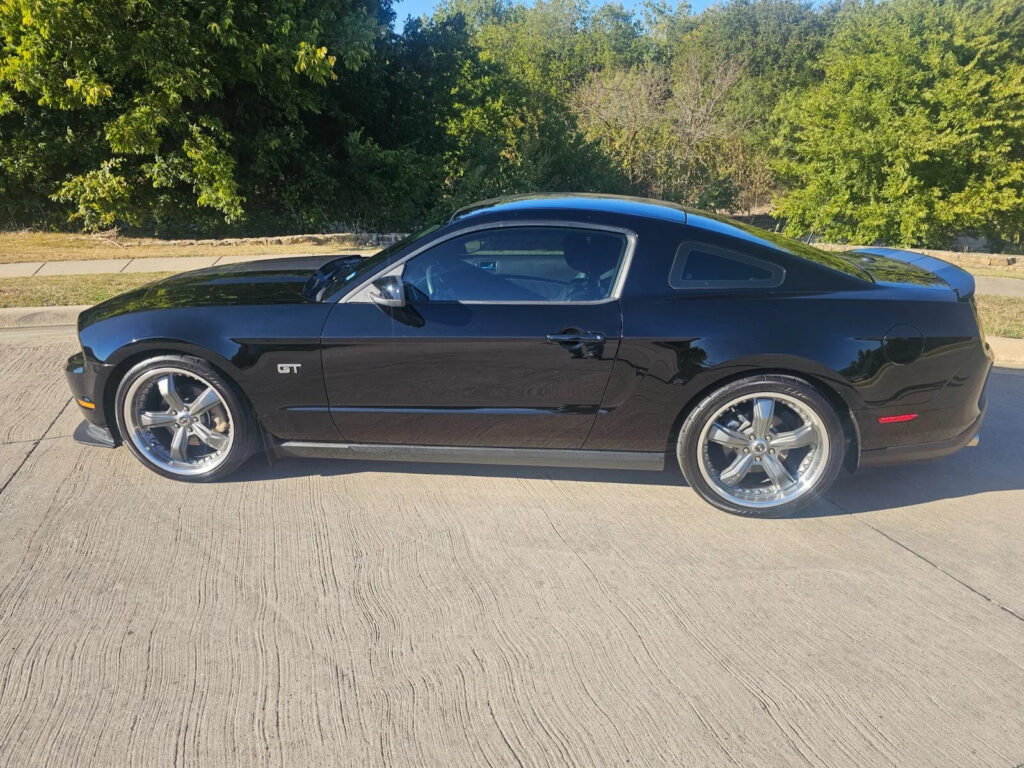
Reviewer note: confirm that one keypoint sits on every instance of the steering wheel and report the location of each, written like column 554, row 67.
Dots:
column 437, row 287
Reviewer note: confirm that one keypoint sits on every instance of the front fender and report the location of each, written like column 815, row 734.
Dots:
column 271, row 353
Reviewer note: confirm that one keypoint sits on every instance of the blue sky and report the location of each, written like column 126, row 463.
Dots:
column 405, row 8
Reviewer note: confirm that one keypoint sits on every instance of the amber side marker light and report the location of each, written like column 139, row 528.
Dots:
column 897, row 419
column 86, row 404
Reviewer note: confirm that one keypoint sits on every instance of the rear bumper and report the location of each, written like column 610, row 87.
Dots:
column 902, row 454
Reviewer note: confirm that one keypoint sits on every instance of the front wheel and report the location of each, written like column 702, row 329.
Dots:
column 183, row 419
column 764, row 446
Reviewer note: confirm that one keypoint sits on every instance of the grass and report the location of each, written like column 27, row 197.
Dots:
column 69, row 290
column 1002, row 316
column 25, row 246
column 1015, row 270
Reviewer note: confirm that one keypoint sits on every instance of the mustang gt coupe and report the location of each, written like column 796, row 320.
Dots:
column 572, row 330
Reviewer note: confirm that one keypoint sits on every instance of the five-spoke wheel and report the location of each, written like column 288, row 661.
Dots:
column 181, row 418
column 763, row 446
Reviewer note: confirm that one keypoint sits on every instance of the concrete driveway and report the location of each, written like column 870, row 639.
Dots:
column 320, row 613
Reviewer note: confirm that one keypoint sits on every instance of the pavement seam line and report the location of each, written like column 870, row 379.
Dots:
column 939, row 568
column 35, row 445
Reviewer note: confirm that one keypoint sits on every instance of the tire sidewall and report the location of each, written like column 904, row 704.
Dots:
column 242, row 421
column 688, row 444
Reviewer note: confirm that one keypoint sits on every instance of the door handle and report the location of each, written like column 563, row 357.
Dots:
column 577, row 338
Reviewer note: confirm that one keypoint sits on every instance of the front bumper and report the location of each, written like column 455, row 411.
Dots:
column 88, row 433
column 87, row 381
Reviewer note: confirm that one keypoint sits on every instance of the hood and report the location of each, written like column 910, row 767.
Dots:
column 273, row 281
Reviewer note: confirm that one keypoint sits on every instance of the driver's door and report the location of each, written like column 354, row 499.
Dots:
column 506, row 339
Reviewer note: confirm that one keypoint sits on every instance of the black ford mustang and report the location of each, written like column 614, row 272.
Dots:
column 565, row 331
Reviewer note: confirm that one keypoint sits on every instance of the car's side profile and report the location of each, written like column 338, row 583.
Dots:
column 571, row 330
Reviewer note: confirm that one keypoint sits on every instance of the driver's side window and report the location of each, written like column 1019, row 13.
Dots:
column 518, row 264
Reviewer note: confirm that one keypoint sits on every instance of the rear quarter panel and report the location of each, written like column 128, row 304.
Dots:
column 678, row 347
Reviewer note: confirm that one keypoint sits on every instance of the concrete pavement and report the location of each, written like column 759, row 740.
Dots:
column 322, row 613
column 1000, row 286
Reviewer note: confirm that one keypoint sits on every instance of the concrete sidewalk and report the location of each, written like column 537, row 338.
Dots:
column 156, row 264
column 999, row 286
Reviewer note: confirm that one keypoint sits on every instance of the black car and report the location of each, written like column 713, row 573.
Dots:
column 570, row 330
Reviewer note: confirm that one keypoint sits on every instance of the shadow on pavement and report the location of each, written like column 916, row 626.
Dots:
column 257, row 469
column 985, row 468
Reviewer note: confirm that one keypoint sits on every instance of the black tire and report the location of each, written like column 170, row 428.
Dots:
column 696, row 453
column 243, row 427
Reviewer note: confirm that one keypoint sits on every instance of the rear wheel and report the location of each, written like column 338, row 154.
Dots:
column 184, row 420
column 764, row 446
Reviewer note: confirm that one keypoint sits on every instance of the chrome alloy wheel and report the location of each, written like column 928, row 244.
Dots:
column 178, row 421
column 763, row 450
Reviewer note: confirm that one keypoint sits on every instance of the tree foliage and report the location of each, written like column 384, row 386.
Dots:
column 916, row 132
column 898, row 120
column 139, row 112
column 671, row 133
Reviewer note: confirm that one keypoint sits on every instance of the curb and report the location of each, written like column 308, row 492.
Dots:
column 1007, row 351
column 28, row 317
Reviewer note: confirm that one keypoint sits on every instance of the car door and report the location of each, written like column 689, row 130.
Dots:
column 506, row 339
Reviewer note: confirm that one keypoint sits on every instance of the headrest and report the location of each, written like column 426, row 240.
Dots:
column 592, row 253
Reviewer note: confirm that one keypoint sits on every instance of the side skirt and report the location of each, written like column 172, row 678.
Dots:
column 545, row 457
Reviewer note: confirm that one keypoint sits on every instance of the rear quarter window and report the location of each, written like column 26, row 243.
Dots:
column 701, row 266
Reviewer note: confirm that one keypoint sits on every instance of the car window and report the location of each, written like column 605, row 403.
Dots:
column 371, row 263
column 700, row 265
column 517, row 264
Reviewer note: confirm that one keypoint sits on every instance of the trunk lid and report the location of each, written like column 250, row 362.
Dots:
column 898, row 267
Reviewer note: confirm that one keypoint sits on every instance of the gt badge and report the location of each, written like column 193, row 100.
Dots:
column 288, row 367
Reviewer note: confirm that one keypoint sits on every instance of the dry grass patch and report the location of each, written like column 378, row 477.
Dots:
column 16, row 247
column 1002, row 316
column 69, row 290
column 1014, row 270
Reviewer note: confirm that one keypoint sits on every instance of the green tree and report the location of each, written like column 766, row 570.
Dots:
column 523, row 136
column 166, row 112
column 917, row 131
column 779, row 45
column 670, row 132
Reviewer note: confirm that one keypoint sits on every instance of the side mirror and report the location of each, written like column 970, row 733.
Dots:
column 388, row 292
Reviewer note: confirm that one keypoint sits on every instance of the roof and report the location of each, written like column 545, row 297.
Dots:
column 631, row 206
column 664, row 211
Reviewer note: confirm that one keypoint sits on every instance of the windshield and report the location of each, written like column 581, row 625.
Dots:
column 370, row 263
